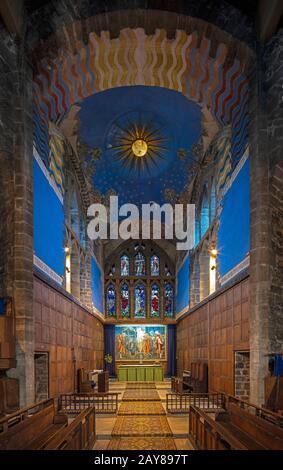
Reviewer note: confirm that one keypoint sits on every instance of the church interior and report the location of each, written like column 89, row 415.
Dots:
column 113, row 343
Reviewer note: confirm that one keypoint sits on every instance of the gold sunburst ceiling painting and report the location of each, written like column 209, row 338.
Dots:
column 137, row 141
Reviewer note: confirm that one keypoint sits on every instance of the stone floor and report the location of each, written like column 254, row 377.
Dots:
column 177, row 423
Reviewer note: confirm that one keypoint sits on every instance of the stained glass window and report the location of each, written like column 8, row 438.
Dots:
column 112, row 271
column 111, row 300
column 125, row 265
column 140, row 301
column 167, row 271
column 168, row 300
column 125, row 304
column 204, row 221
column 154, row 266
column 139, row 264
column 155, row 304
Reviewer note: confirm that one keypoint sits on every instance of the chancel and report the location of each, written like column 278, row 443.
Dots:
column 117, row 333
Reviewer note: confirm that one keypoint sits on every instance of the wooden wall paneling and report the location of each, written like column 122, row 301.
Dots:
column 67, row 332
column 213, row 332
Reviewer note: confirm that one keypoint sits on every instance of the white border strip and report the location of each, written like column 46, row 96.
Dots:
column 47, row 270
column 182, row 312
column 236, row 171
column 98, row 313
column 236, row 270
column 47, row 175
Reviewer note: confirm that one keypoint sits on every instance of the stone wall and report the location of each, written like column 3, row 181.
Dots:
column 242, row 375
column 273, row 86
column 266, row 268
column 16, row 206
column 115, row 15
column 41, row 376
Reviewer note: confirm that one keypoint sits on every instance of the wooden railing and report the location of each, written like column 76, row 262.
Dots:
column 271, row 416
column 24, row 413
column 73, row 403
column 207, row 434
column 181, row 402
column 79, row 435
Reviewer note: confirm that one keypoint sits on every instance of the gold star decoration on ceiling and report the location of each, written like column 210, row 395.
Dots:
column 137, row 144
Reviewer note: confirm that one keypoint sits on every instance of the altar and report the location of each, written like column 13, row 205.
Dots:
column 140, row 373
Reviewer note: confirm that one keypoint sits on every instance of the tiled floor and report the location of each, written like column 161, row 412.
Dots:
column 178, row 424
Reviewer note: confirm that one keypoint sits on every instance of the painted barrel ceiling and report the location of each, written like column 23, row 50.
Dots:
column 170, row 124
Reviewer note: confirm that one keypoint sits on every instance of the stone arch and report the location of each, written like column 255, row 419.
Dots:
column 184, row 63
column 108, row 50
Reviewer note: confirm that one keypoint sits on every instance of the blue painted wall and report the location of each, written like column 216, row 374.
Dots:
column 96, row 285
column 234, row 228
column 48, row 223
column 183, row 286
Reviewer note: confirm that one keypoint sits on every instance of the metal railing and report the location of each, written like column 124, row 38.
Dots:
column 73, row 403
column 181, row 402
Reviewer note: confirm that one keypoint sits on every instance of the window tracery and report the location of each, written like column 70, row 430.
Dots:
column 111, row 300
column 142, row 277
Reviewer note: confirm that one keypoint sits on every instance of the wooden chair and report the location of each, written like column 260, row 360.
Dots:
column 84, row 384
column 196, row 383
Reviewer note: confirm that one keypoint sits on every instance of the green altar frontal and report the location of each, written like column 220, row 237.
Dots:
column 140, row 373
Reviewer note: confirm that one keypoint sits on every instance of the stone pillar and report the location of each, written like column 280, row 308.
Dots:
column 266, row 270
column 273, row 84
column 260, row 237
column 85, row 276
column 16, row 165
column 75, row 270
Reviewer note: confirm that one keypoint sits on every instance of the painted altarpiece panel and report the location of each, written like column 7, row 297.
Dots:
column 141, row 342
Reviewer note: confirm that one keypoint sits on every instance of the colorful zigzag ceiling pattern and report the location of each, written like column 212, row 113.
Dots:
column 184, row 64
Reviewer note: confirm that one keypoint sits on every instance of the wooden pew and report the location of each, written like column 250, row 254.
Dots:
column 241, row 426
column 31, row 427
column 79, row 435
column 206, row 434
column 253, row 431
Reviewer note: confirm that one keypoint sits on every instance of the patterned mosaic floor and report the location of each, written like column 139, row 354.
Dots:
column 141, row 395
column 141, row 408
column 141, row 423
column 142, row 443
column 134, row 426
column 140, row 385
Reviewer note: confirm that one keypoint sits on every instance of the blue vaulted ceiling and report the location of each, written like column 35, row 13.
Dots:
column 107, row 121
